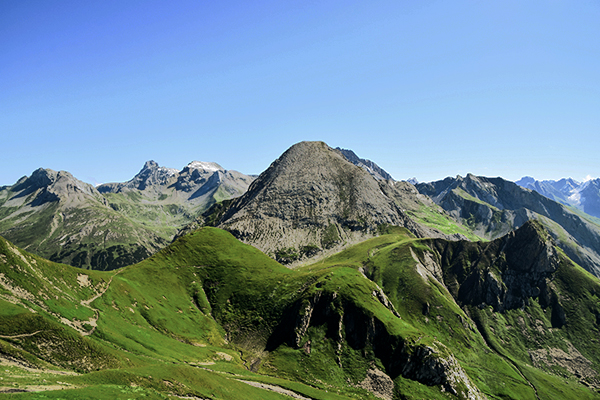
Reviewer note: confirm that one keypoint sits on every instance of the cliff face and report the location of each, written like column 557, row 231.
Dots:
column 505, row 273
column 348, row 324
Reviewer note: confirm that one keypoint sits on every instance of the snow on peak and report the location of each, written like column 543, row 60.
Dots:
column 206, row 166
column 168, row 171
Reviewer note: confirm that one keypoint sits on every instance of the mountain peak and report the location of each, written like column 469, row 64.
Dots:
column 151, row 164
column 151, row 174
column 313, row 198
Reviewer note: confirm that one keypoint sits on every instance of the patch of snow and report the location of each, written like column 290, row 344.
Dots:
column 206, row 166
column 575, row 198
column 168, row 171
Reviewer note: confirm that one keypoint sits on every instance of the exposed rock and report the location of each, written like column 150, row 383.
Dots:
column 504, row 273
column 63, row 219
column 312, row 197
column 573, row 361
column 345, row 321
column 375, row 170
column 583, row 195
column 195, row 188
column 378, row 383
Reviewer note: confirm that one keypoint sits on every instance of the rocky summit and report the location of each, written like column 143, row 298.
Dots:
column 313, row 199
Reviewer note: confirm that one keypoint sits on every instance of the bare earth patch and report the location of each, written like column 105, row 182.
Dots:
column 276, row 389
column 573, row 361
column 83, row 280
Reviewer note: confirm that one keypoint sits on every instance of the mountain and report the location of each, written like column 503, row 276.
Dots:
column 117, row 224
column 375, row 170
column 394, row 317
column 167, row 199
column 588, row 197
column 492, row 207
column 583, row 196
column 63, row 219
column 313, row 200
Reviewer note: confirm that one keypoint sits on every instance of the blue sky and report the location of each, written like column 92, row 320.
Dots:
column 426, row 89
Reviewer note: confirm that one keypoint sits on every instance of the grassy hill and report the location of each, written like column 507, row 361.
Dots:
column 211, row 317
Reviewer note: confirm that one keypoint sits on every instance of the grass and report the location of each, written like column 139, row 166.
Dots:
column 461, row 193
column 208, row 310
column 439, row 220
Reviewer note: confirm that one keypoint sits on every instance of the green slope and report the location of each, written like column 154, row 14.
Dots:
column 208, row 313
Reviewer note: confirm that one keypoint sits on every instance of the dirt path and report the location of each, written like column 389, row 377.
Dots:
column 20, row 336
column 507, row 359
column 276, row 389
column 86, row 303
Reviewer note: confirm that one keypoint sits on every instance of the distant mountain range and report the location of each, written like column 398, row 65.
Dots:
column 584, row 196
column 59, row 217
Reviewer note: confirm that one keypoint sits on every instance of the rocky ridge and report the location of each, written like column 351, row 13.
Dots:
column 584, row 196
column 197, row 186
column 375, row 170
column 59, row 217
column 493, row 207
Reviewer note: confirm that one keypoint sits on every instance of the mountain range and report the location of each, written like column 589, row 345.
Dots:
column 584, row 196
column 492, row 207
column 321, row 279
column 64, row 219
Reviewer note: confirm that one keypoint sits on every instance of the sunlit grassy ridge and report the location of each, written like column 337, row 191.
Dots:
column 209, row 311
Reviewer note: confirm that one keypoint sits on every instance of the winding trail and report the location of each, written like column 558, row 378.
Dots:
column 21, row 335
column 507, row 359
column 276, row 389
column 86, row 303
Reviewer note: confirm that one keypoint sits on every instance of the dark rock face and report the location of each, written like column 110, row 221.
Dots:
column 343, row 320
column 505, row 273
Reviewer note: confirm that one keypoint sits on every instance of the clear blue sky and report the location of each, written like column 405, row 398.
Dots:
column 426, row 89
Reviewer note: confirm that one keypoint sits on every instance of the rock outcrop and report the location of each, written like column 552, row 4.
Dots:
column 345, row 321
column 505, row 273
